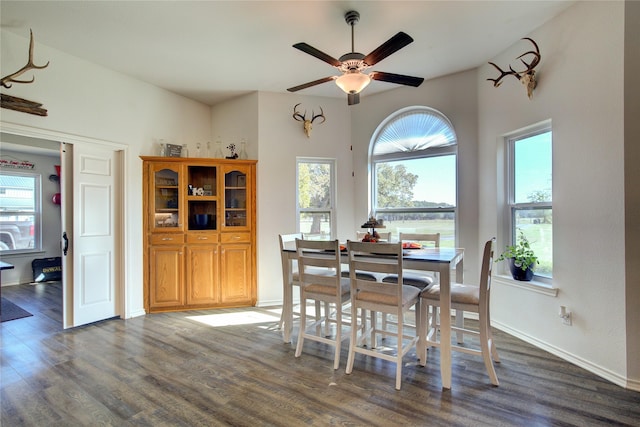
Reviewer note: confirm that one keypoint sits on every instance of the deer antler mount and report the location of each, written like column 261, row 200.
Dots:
column 307, row 123
column 526, row 77
column 19, row 104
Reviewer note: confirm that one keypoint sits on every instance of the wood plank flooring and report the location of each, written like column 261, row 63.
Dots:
column 230, row 367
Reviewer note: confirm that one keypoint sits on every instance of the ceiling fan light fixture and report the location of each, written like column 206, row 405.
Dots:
column 353, row 82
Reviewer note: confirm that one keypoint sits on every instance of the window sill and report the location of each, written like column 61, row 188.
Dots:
column 25, row 253
column 532, row 286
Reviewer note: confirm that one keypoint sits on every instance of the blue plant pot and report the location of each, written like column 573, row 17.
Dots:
column 519, row 274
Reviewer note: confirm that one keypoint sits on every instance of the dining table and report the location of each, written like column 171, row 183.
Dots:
column 439, row 260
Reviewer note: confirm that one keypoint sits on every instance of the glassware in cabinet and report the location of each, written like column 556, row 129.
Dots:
column 166, row 198
column 235, row 196
column 202, row 199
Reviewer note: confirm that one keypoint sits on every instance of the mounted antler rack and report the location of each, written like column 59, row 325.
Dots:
column 307, row 123
column 526, row 77
column 19, row 104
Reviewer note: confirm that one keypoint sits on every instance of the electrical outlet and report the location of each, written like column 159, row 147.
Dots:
column 566, row 319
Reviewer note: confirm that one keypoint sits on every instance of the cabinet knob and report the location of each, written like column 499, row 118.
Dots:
column 166, row 239
column 203, row 238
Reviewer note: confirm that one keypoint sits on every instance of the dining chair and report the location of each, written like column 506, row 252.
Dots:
column 475, row 299
column 364, row 275
column 295, row 280
column 326, row 286
column 419, row 280
column 378, row 297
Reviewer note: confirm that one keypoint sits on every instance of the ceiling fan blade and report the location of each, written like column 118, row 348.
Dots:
column 392, row 45
column 318, row 54
column 396, row 78
column 313, row 83
column 353, row 98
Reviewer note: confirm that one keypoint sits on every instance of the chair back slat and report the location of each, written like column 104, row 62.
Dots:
column 284, row 239
column 430, row 238
column 381, row 258
column 319, row 262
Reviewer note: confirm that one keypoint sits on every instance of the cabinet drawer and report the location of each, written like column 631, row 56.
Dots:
column 167, row 239
column 202, row 238
column 235, row 237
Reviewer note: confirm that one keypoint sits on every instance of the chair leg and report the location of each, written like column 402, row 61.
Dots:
column 303, row 326
column 485, row 344
column 318, row 318
column 353, row 340
column 281, row 321
column 336, row 359
column 460, row 324
column 383, row 322
column 494, row 350
column 423, row 326
column 327, row 315
column 400, row 353
column 374, row 327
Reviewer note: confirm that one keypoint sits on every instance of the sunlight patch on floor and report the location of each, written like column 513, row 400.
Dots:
column 231, row 319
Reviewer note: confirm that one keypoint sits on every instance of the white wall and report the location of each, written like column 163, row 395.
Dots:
column 91, row 104
column 234, row 120
column 50, row 225
column 581, row 89
column 632, row 189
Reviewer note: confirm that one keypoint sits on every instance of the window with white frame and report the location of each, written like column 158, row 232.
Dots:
column 19, row 212
column 414, row 174
column 316, row 198
column 529, row 193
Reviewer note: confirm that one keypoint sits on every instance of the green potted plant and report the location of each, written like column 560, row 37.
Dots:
column 522, row 259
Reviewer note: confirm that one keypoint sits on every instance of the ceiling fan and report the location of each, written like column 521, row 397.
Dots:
column 353, row 80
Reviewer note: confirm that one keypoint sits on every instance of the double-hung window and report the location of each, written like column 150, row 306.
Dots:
column 529, row 193
column 316, row 197
column 19, row 212
column 413, row 174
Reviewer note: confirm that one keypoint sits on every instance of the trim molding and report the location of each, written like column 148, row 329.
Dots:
column 532, row 286
column 569, row 357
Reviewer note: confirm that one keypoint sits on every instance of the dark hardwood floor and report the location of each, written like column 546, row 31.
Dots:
column 230, row 367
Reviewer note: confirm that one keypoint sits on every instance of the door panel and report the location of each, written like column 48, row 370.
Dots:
column 236, row 273
column 166, row 276
column 94, row 234
column 202, row 272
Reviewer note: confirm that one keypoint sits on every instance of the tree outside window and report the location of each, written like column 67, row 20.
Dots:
column 530, row 193
column 316, row 198
column 414, row 174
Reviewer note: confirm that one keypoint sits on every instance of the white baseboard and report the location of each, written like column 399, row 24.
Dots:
column 268, row 303
column 578, row 361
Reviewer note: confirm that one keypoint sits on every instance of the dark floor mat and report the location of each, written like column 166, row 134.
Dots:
column 10, row 311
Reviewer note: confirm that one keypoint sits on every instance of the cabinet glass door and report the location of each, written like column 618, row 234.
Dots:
column 165, row 200
column 202, row 200
column 235, row 198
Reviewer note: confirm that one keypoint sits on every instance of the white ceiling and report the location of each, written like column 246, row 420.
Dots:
column 215, row 50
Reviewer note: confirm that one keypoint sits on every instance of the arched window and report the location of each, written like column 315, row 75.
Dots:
column 413, row 173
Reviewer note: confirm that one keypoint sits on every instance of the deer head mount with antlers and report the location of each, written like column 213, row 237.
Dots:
column 526, row 77
column 307, row 122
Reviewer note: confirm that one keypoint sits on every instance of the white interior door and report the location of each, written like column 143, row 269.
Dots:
column 90, row 222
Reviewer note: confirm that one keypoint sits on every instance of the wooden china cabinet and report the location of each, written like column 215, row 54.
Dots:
column 200, row 233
